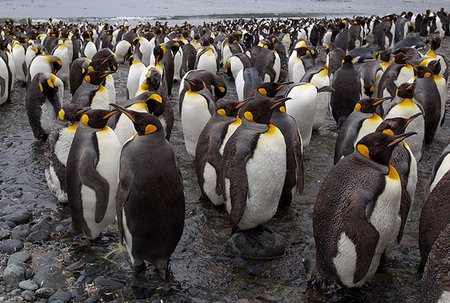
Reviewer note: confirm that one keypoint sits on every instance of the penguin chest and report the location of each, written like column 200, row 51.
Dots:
column 62, row 146
column 298, row 70
column 4, row 86
column 368, row 126
column 90, row 50
column 101, row 99
column 412, row 175
column 207, row 61
column 194, row 115
column 266, row 171
column 48, row 116
column 404, row 75
column 441, row 171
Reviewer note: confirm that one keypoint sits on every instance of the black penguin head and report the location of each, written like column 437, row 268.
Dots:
column 159, row 52
column 152, row 79
column 97, row 118
column 96, row 77
column 424, row 72
column 55, row 63
column 400, row 58
column 155, row 104
column 348, row 60
column 435, row 43
column 379, row 146
column 220, row 91
column 228, row 108
column 435, row 66
column 395, row 126
column 369, row 105
column 406, row 90
column 72, row 112
column 301, row 51
column 103, row 60
column 270, row 89
column 385, row 56
column 144, row 123
column 259, row 109
column 195, row 85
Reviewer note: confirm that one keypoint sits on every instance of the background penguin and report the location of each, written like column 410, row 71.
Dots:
column 434, row 281
column 396, row 74
column 198, row 106
column 78, row 70
column 134, row 75
column 206, row 59
column 5, row 80
column 105, row 60
column 334, row 59
column 355, row 224
column 268, row 63
column 254, row 168
column 58, row 146
column 369, row 72
column 92, row 93
column 33, row 50
column 404, row 106
column 150, row 200
column 342, row 38
column 432, row 55
column 92, row 174
column 123, row 51
column 43, row 103
column 296, row 66
column 89, row 48
column 361, row 122
column 209, row 150
column 61, row 51
column 441, row 85
column 362, row 54
column 7, row 58
column 236, row 63
column 347, row 91
column 43, row 64
column 246, row 81
column 18, row 53
column 439, row 170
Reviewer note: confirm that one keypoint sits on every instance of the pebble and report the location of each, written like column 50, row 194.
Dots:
column 19, row 257
column 20, row 232
column 39, row 236
column 4, row 234
column 10, row 246
column 28, row 295
column 61, row 295
column 108, row 283
column 14, row 273
column 93, row 299
column 50, row 277
column 17, row 213
column 44, row 292
column 28, row 285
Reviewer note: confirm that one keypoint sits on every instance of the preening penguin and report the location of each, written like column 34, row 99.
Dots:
column 43, row 103
column 92, row 174
column 43, row 64
column 150, row 200
column 356, row 213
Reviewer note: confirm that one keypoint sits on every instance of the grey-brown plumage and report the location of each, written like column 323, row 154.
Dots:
column 78, row 70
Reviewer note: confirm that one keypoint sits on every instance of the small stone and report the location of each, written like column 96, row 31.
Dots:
column 39, row 236
column 17, row 213
column 93, row 299
column 50, row 276
column 15, row 292
column 8, row 225
column 28, row 285
column 14, row 273
column 28, row 295
column 44, row 292
column 62, row 295
column 4, row 234
column 41, row 225
column 10, row 246
column 108, row 283
column 20, row 232
column 19, row 257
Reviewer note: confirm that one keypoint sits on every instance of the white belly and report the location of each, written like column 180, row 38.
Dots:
column 90, row 50
column 110, row 88
column 62, row 146
column 194, row 116
column 442, row 170
column 19, row 58
column 209, row 187
column 368, row 126
column 101, row 99
column 345, row 260
column 177, row 65
column 63, row 54
column 48, row 116
column 134, row 75
column 405, row 74
column 240, row 84
column 5, row 75
column 54, row 184
column 297, row 70
column 207, row 62
column 128, row 239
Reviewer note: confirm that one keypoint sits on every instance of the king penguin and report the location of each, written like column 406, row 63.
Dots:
column 78, row 70
column 92, row 174
column 150, row 201
column 355, row 217
column 43, row 64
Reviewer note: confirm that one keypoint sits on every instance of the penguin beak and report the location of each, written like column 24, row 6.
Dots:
column 400, row 138
column 123, row 110
column 382, row 100
column 82, row 111
column 275, row 105
column 409, row 87
column 110, row 114
column 241, row 104
column 412, row 118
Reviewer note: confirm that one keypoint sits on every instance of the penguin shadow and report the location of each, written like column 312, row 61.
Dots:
column 335, row 294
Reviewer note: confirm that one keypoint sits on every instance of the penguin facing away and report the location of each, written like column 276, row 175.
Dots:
column 150, row 201
column 92, row 174
column 356, row 213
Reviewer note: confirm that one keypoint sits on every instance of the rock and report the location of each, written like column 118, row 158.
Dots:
column 4, row 234
column 108, row 283
column 14, row 273
column 41, row 225
column 39, row 236
column 50, row 276
column 272, row 246
column 44, row 292
column 28, row 295
column 61, row 295
column 8, row 225
column 15, row 292
column 28, row 285
column 17, row 213
column 93, row 299
column 20, row 232
column 19, row 257
column 10, row 246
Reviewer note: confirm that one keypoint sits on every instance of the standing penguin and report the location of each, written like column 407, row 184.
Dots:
column 43, row 103
column 254, row 168
column 92, row 92
column 92, row 174
column 5, row 80
column 209, row 150
column 150, row 201
column 198, row 106
column 370, row 72
column 206, row 59
column 361, row 122
column 347, row 91
column 137, row 68
column 78, row 70
column 441, row 85
column 246, row 81
column 58, row 146
column 394, row 75
column 61, row 51
column 43, row 64
column 355, row 216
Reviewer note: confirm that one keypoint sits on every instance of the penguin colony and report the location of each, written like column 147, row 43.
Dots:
column 111, row 160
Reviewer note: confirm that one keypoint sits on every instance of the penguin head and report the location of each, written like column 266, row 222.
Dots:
column 378, row 147
column 97, row 118
column 424, row 72
column 400, row 58
column 104, row 60
column 220, row 91
column 155, row 104
column 259, row 109
column 348, row 60
column 144, row 123
column 152, row 80
column 301, row 51
column 228, row 108
column 72, row 112
column 435, row 66
column 406, row 90
column 96, row 77
column 159, row 52
column 270, row 89
column 195, row 85
column 395, row 126
column 55, row 62
column 49, row 85
column 385, row 56
column 435, row 43
column 369, row 105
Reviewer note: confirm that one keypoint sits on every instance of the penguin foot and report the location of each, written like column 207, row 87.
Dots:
column 253, row 235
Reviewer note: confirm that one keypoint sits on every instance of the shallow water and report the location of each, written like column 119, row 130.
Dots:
column 201, row 270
